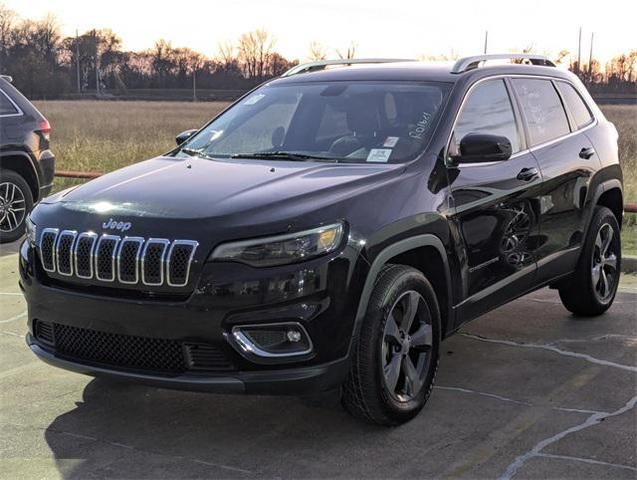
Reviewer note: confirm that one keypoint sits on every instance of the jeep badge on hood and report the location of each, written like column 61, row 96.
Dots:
column 114, row 225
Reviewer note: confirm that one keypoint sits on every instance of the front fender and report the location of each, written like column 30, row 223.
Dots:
column 382, row 258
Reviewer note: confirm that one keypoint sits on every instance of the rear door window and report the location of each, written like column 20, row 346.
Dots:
column 580, row 112
column 542, row 109
column 488, row 110
column 6, row 106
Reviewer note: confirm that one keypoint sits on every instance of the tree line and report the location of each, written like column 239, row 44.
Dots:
column 45, row 64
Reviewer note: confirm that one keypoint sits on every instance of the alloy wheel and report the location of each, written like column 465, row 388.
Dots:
column 407, row 342
column 12, row 206
column 604, row 265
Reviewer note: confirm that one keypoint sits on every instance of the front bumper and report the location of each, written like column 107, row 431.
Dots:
column 291, row 381
column 206, row 316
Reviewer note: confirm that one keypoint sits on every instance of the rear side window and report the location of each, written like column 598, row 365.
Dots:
column 542, row 109
column 581, row 114
column 6, row 106
column 488, row 110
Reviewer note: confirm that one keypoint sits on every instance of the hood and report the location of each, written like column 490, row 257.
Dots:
column 196, row 188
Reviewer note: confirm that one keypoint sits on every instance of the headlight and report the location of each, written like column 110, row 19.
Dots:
column 282, row 249
column 30, row 230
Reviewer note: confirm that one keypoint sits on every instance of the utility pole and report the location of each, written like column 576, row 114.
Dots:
column 486, row 41
column 97, row 72
column 194, row 84
column 579, row 52
column 77, row 61
column 590, row 61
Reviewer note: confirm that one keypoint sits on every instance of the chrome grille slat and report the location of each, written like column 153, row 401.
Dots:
column 47, row 248
column 105, row 255
column 128, row 257
column 153, row 262
column 180, row 258
column 64, row 252
column 83, row 254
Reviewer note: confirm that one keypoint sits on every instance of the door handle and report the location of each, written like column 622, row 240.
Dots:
column 528, row 174
column 586, row 153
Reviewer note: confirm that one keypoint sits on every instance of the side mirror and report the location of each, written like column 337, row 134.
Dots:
column 483, row 147
column 185, row 135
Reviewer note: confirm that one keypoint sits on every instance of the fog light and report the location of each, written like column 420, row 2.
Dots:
column 294, row 336
column 272, row 340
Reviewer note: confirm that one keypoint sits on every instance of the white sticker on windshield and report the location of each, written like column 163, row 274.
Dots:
column 391, row 142
column 254, row 99
column 379, row 155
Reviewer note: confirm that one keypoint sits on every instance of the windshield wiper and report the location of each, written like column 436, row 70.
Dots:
column 280, row 155
column 194, row 152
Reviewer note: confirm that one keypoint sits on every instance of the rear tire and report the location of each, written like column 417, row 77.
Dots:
column 16, row 201
column 592, row 288
column 395, row 359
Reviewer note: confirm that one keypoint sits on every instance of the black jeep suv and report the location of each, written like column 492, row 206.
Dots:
column 26, row 163
column 329, row 229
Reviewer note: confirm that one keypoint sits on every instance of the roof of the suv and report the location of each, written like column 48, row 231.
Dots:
column 416, row 71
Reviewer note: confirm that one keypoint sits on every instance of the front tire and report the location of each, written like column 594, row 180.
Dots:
column 593, row 286
column 395, row 357
column 16, row 201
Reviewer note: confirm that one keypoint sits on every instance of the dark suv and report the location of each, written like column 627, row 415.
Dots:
column 329, row 229
column 26, row 163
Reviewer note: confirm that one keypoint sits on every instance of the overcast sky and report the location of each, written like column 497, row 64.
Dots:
column 380, row 28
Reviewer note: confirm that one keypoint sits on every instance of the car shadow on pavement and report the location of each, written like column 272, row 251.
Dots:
column 133, row 431
column 10, row 248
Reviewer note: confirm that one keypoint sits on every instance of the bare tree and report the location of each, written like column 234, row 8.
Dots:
column 255, row 49
column 561, row 56
column 7, row 24
column 163, row 60
column 349, row 54
column 186, row 61
column 226, row 55
column 632, row 65
column 317, row 52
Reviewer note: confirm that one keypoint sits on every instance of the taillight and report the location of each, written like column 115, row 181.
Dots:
column 44, row 127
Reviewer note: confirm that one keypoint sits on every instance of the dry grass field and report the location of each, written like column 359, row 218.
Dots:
column 103, row 136
column 625, row 119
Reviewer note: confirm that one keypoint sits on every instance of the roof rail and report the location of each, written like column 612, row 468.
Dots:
column 469, row 63
column 323, row 64
column 8, row 78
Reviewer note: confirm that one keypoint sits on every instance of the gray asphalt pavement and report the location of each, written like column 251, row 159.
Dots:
column 527, row 391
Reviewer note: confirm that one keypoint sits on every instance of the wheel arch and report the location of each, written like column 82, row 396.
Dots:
column 21, row 163
column 425, row 253
column 612, row 197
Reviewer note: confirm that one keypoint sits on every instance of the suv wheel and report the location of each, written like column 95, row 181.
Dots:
column 395, row 357
column 592, row 288
column 16, row 201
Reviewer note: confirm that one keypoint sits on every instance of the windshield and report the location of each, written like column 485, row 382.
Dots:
column 389, row 122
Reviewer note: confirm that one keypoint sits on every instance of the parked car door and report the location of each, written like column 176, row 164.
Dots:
column 567, row 161
column 496, row 204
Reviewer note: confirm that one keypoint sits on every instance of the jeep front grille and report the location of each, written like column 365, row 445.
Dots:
column 107, row 258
